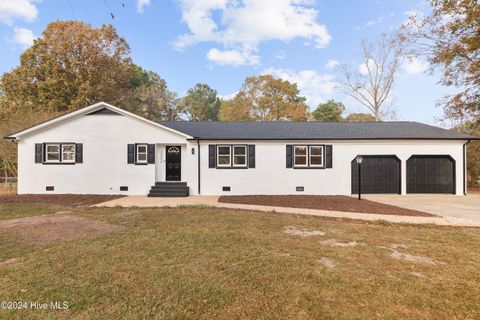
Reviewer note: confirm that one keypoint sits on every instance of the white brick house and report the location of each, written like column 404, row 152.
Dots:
column 102, row 149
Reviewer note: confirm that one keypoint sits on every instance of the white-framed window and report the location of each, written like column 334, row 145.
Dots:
column 52, row 152
column 316, row 156
column 141, row 154
column 300, row 156
column 239, row 156
column 68, row 152
column 224, row 156
column 308, row 156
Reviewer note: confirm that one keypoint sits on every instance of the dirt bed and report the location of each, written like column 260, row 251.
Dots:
column 50, row 228
column 70, row 200
column 331, row 203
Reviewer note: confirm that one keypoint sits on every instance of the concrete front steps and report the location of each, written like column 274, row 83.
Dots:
column 169, row 189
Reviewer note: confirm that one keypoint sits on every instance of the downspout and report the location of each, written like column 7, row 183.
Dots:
column 198, row 164
column 465, row 167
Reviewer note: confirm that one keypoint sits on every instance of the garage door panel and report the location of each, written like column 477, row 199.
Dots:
column 430, row 174
column 380, row 174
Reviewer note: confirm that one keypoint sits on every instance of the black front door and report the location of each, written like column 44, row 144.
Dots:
column 173, row 163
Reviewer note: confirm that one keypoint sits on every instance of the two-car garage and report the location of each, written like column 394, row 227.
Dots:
column 425, row 174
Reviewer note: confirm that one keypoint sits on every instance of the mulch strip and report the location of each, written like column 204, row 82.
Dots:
column 331, row 203
column 68, row 200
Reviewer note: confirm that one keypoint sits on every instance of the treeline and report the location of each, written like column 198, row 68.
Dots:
column 73, row 65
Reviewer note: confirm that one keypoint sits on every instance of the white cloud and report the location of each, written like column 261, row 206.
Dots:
column 244, row 24
column 23, row 37
column 232, row 57
column 331, row 64
column 415, row 66
column 10, row 10
column 142, row 4
column 315, row 87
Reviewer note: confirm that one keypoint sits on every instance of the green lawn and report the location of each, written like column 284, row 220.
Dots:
column 208, row 263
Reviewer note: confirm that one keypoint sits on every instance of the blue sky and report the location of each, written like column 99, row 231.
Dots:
column 220, row 42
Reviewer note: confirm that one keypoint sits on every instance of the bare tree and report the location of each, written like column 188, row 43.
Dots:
column 371, row 84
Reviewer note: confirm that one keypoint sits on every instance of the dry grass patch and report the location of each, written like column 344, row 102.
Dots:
column 44, row 229
column 213, row 263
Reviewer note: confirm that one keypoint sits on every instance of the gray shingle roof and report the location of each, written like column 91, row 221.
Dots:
column 312, row 130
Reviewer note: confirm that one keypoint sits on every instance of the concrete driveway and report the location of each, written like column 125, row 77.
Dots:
column 464, row 207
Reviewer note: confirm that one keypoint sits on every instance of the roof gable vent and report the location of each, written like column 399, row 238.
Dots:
column 103, row 111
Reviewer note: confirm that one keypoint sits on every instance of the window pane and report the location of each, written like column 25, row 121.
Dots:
column 142, row 149
column 316, row 151
column 300, row 151
column 223, row 160
column 53, row 156
column 300, row 160
column 142, row 157
column 53, row 148
column 224, row 150
column 316, row 161
column 68, row 148
column 239, row 150
column 239, row 160
column 68, row 156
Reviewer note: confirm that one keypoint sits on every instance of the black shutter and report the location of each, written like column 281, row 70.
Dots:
column 79, row 153
column 251, row 156
column 289, row 156
column 38, row 152
column 151, row 153
column 212, row 156
column 130, row 153
column 328, row 156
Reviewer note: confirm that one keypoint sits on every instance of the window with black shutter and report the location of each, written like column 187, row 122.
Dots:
column 140, row 153
column 58, row 153
column 309, row 156
column 231, row 156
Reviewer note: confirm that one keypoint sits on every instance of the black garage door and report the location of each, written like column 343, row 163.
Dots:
column 380, row 174
column 430, row 174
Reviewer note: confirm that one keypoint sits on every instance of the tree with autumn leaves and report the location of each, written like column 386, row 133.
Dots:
column 73, row 65
column 265, row 98
column 450, row 39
